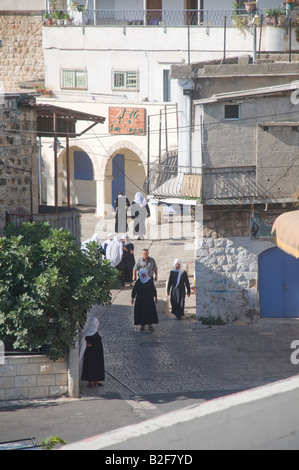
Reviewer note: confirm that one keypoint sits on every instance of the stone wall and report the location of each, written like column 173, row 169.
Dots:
column 18, row 159
column 21, row 52
column 30, row 377
column 227, row 265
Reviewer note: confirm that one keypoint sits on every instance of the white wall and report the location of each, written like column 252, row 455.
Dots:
column 100, row 49
column 19, row 5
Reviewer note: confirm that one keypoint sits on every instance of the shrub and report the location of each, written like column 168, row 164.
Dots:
column 47, row 285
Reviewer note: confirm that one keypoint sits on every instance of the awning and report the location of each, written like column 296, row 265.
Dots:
column 285, row 233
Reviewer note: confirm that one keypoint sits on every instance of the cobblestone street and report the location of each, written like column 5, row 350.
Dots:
column 182, row 361
column 148, row 373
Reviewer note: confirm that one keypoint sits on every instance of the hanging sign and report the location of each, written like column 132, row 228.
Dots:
column 127, row 121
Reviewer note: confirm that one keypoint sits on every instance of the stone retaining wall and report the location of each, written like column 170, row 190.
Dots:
column 226, row 266
column 30, row 377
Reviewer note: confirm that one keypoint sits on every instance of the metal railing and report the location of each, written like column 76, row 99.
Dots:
column 168, row 179
column 163, row 18
column 232, row 185
column 229, row 183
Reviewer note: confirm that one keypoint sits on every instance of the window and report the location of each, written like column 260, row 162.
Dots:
column 125, row 80
column 166, row 86
column 74, row 78
column 232, row 111
column 240, row 4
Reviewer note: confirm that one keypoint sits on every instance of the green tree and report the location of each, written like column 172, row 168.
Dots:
column 47, row 286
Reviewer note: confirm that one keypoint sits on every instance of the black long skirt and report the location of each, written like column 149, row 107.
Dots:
column 145, row 312
column 93, row 360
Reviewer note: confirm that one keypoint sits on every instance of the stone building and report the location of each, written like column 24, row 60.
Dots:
column 21, row 52
column 245, row 146
column 18, row 158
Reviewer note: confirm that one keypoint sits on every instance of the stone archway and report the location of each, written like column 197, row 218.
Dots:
column 134, row 173
column 83, row 176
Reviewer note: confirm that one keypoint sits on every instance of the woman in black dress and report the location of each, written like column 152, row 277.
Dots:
column 121, row 204
column 177, row 284
column 128, row 260
column 93, row 356
column 145, row 293
column 139, row 212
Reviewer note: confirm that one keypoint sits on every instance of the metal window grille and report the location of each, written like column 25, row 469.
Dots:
column 125, row 80
column 232, row 111
column 74, row 79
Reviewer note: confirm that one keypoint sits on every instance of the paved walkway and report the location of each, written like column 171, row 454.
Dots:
column 178, row 364
column 182, row 361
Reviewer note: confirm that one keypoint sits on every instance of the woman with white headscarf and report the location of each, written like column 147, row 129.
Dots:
column 114, row 253
column 139, row 212
column 92, row 355
column 177, row 285
column 107, row 242
column 144, row 295
column 94, row 238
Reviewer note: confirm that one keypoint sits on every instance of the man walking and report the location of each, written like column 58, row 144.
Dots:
column 148, row 263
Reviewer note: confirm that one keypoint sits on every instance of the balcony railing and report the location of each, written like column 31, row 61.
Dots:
column 162, row 18
column 233, row 185
column 168, row 179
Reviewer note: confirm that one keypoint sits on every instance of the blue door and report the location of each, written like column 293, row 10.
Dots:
column 118, row 173
column 278, row 284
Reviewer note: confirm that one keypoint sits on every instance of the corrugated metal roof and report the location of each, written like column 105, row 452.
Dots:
column 65, row 119
column 48, row 110
column 230, row 96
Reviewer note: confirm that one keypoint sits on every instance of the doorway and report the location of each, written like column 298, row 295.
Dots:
column 154, row 12
column 191, row 16
column 118, row 175
column 278, row 284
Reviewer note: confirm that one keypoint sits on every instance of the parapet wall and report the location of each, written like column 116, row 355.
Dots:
column 30, row 377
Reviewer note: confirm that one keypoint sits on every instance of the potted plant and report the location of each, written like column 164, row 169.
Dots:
column 281, row 18
column 250, row 6
column 48, row 19
column 80, row 7
column 271, row 16
column 66, row 18
column 56, row 17
column 290, row 4
column 239, row 21
column 41, row 89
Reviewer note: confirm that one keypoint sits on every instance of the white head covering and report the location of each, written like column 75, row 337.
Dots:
column 145, row 278
column 114, row 251
column 91, row 329
column 94, row 238
column 109, row 239
column 127, row 240
column 179, row 271
column 139, row 199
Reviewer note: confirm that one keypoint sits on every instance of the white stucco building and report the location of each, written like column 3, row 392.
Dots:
column 114, row 60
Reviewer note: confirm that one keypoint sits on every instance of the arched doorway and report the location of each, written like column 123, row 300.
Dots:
column 82, row 178
column 124, row 172
column 278, row 284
